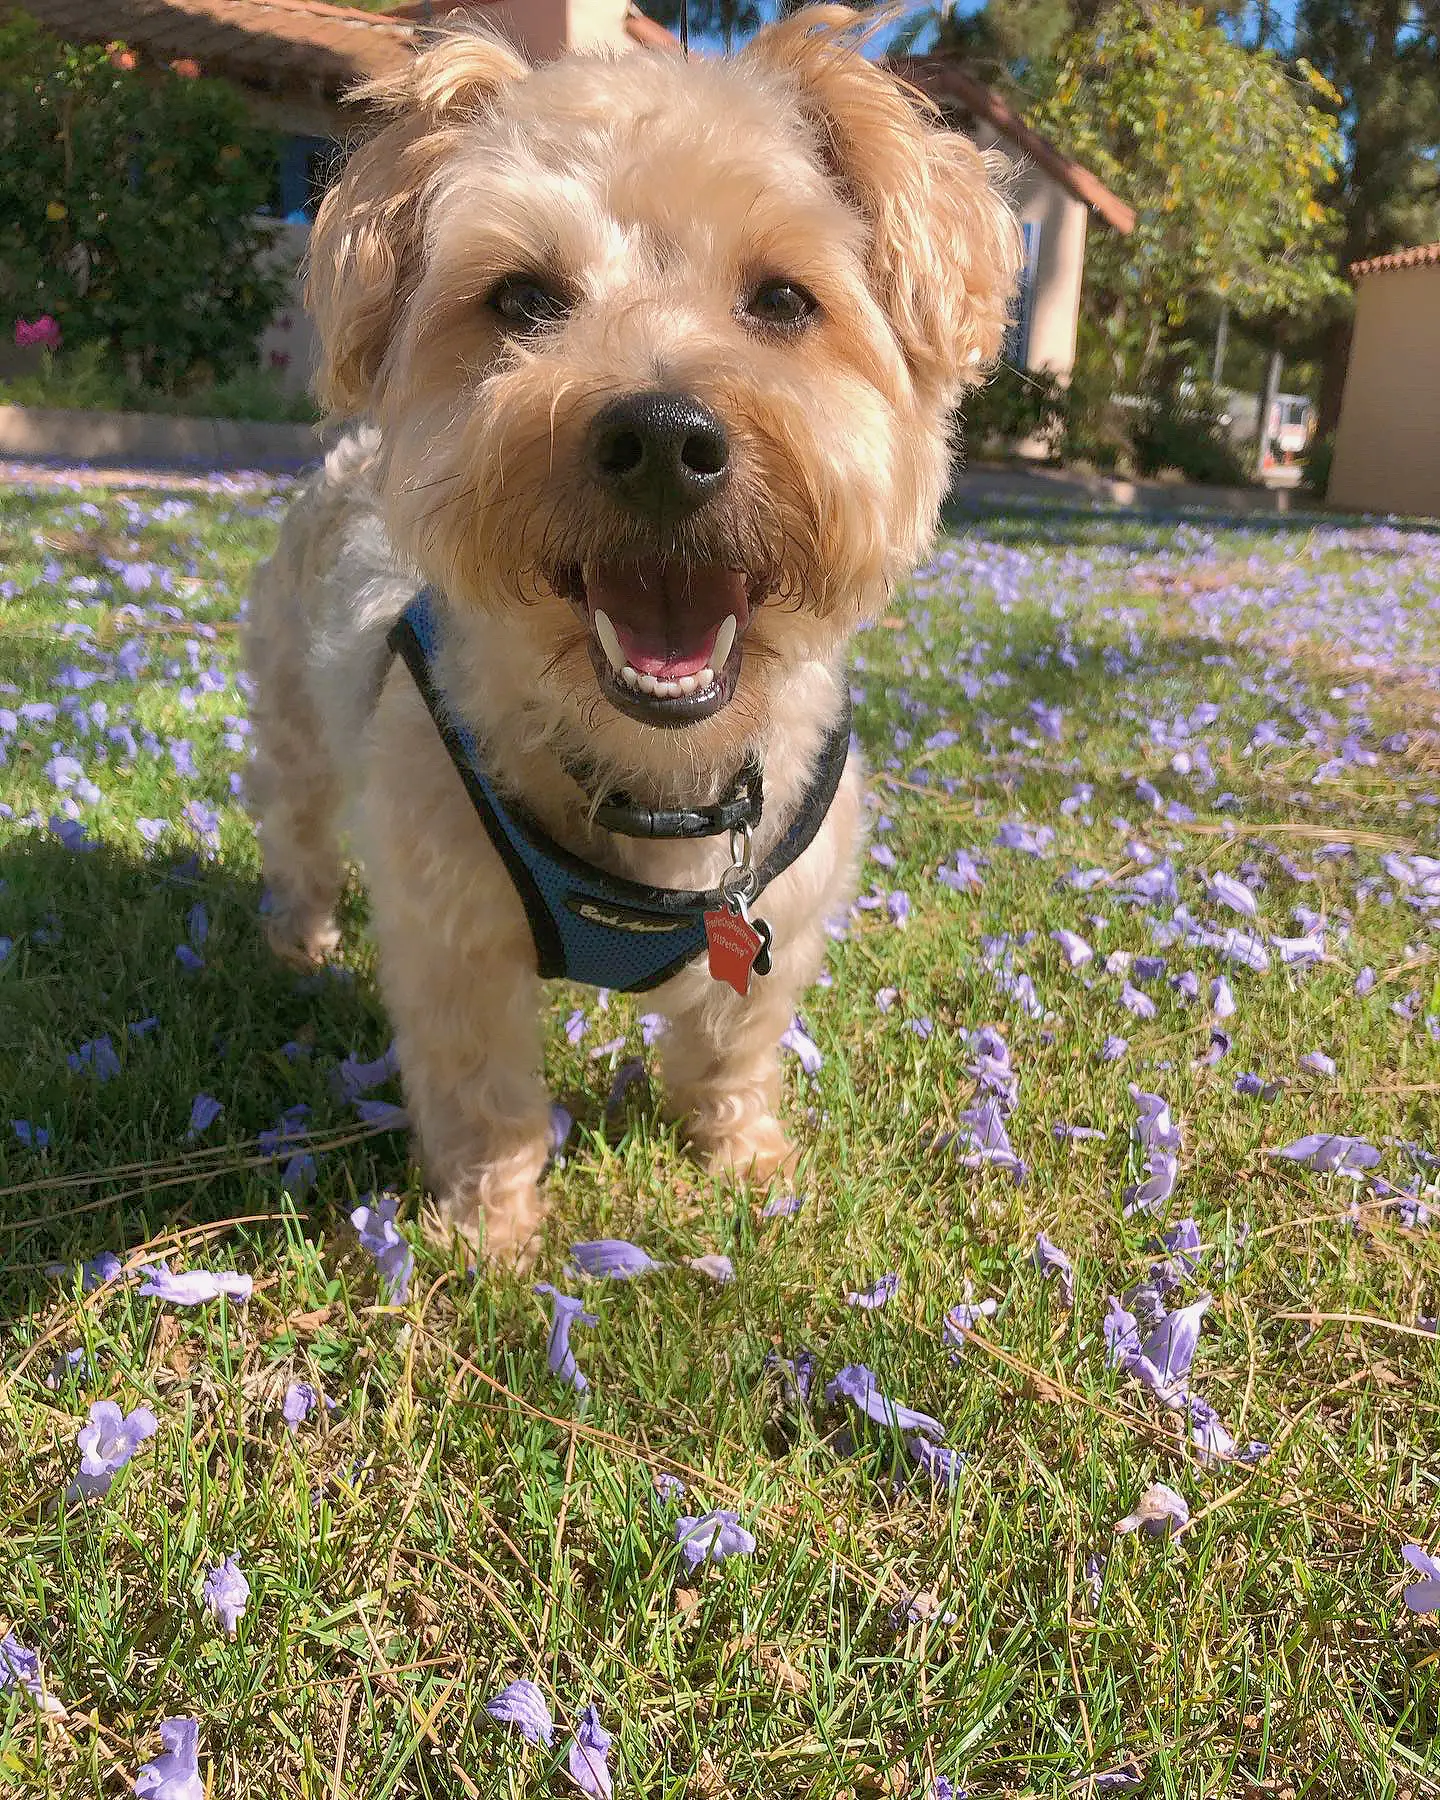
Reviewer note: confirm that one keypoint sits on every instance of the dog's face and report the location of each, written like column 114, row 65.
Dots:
column 663, row 354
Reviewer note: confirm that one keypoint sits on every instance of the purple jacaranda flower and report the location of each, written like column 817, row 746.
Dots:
column 982, row 1140
column 964, row 876
column 1030, row 840
column 523, row 1706
column 944, row 1467
column 67, row 1363
column 796, row 1039
column 189, row 959
column 667, row 1487
column 1331, row 1155
column 20, row 1669
column 97, row 1057
column 1136, row 1002
column 1148, row 968
column 1182, row 1238
column 374, row 1221
column 612, row 1259
column 93, row 1274
column 588, row 1760
column 1117, row 1781
column 1073, row 947
column 880, row 1293
column 1152, row 1194
column 897, row 907
column 943, row 1788
column 382, row 1115
column 883, row 854
column 856, row 1384
column 782, row 1206
column 714, row 1267
column 1365, row 982
column 1222, row 1000
column 1062, row 1131
column 796, row 1375
column 300, row 1401
column 1155, row 1128
column 1158, row 1512
column 152, row 830
column 72, row 834
column 352, row 1078
column 576, row 1026
column 1212, row 1441
column 562, row 1123
column 205, row 1109
column 712, row 1537
column 565, row 1312
column 204, row 821
column 1225, row 890
column 1113, row 1048
column 1168, row 1351
column 226, row 1593
column 1422, row 1596
column 193, row 1287
column 630, row 1073
column 197, row 924
column 33, row 1137
column 176, row 1774
column 1318, row 1063
column 1050, row 1260
column 965, row 1317
column 106, row 1444
column 1300, row 950
column 142, row 1028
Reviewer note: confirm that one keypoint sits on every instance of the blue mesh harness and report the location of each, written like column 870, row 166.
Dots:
column 588, row 925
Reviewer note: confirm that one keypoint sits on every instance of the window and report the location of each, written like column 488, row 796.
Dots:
column 305, row 165
column 1016, row 348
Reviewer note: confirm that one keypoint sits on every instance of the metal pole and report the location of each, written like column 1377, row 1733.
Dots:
column 1222, row 343
column 1267, row 406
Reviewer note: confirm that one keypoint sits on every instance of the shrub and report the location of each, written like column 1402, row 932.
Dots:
column 127, row 210
column 89, row 378
column 1015, row 404
column 1183, row 433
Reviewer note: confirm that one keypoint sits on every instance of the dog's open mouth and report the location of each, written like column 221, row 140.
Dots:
column 665, row 635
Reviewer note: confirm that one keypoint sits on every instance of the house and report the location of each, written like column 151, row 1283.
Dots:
column 294, row 59
column 1387, row 442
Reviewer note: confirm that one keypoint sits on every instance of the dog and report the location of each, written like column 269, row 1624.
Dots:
column 650, row 364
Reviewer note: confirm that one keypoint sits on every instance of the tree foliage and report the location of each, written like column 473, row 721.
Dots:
column 127, row 209
column 1224, row 152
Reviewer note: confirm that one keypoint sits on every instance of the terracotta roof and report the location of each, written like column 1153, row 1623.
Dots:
column 248, row 40
column 1398, row 259
column 943, row 78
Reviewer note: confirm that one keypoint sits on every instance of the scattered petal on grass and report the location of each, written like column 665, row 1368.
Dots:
column 1050, row 1260
column 205, row 1109
column 667, row 1486
column 856, row 1384
column 380, row 1235
column 1225, row 890
column 612, row 1259
column 1073, row 948
column 565, row 1312
column 880, row 1293
column 1422, row 1596
column 797, row 1374
column 796, row 1039
column 1158, row 1512
column 300, row 1401
column 1318, row 1063
column 382, row 1114
column 966, row 1317
column 523, row 1706
column 589, row 1758
column 1331, row 1155
column 781, row 1206
column 226, row 1593
column 712, row 1537
column 20, row 1668
column 93, row 1274
column 192, row 1287
column 106, row 1444
column 176, row 1774
column 944, row 1467
column 1222, row 1000
column 1117, row 1781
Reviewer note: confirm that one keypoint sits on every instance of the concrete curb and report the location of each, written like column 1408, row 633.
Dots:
column 1002, row 482
column 155, row 440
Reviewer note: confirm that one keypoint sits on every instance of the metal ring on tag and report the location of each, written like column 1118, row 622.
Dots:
column 739, row 883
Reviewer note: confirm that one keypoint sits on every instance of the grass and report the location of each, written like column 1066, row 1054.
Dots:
column 89, row 380
column 460, row 1520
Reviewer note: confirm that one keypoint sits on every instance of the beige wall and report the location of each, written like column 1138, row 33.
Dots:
column 1040, row 200
column 1387, row 445
column 542, row 29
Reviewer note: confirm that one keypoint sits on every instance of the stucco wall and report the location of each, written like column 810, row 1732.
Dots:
column 1387, row 444
column 1060, row 264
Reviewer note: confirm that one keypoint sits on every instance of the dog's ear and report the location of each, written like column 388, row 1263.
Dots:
column 364, row 251
column 944, row 244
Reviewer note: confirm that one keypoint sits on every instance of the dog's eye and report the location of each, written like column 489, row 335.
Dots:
column 783, row 305
column 525, row 304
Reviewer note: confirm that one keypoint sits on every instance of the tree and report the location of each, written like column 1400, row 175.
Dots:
column 1382, row 57
column 1223, row 151
column 127, row 209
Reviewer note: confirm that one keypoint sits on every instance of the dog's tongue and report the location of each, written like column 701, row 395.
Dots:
column 666, row 613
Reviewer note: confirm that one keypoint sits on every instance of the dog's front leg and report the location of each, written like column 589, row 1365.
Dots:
column 457, row 970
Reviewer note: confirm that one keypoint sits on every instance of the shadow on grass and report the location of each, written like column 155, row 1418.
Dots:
column 1079, row 524
column 94, row 962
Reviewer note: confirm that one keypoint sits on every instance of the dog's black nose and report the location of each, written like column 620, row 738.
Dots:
column 660, row 455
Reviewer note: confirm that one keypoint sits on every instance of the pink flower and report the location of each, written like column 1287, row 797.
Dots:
column 43, row 330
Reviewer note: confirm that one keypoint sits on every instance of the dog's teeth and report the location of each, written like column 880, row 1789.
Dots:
column 705, row 679
column 724, row 642
column 609, row 642
column 688, row 684
column 667, row 690
column 631, row 677
column 647, row 684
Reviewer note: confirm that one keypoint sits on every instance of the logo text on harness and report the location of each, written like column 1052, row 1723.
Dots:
column 599, row 914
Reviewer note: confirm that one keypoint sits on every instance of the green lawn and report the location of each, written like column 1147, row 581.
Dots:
column 461, row 1519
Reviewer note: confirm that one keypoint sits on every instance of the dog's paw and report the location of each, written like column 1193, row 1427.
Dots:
column 303, row 942
column 503, row 1229
column 756, row 1152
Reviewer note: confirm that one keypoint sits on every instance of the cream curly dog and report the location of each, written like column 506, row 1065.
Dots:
column 655, row 360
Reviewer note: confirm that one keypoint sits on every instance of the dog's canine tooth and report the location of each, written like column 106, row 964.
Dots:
column 705, row 679
column 609, row 641
column 647, row 684
column 724, row 642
